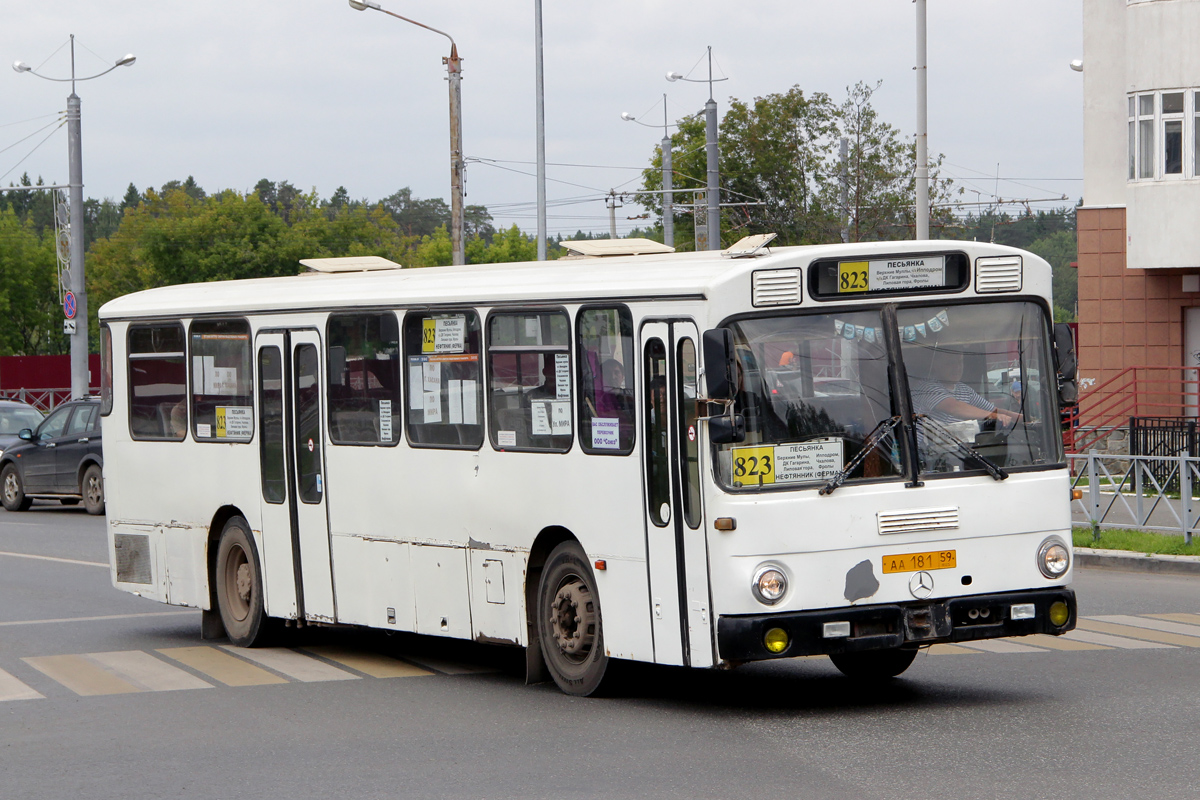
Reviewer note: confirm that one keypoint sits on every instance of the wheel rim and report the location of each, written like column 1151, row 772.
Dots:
column 239, row 583
column 573, row 619
column 95, row 492
column 10, row 487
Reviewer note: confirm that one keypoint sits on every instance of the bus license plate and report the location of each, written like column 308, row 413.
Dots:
column 912, row 562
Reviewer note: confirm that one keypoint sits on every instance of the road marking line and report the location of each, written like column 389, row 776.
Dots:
column 97, row 619
column 376, row 665
column 1113, row 641
column 1139, row 633
column 13, row 689
column 1194, row 619
column 294, row 665
column 81, row 675
column 53, row 558
column 1001, row 646
column 1062, row 643
column 448, row 668
column 221, row 666
column 1152, row 624
column 144, row 670
column 951, row 649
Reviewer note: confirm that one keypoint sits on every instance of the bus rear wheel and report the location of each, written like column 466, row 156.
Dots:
column 874, row 665
column 568, row 621
column 239, row 584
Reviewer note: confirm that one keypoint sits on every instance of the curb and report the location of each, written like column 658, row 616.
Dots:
column 1093, row 558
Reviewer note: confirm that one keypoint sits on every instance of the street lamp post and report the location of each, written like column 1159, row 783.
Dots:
column 667, row 174
column 454, row 72
column 713, row 192
column 80, row 383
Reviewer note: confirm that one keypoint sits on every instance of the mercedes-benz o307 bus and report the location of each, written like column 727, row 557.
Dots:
column 695, row 459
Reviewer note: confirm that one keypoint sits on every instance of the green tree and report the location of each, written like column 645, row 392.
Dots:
column 1060, row 249
column 29, row 300
column 509, row 245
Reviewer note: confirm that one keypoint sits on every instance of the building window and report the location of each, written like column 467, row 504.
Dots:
column 1172, row 127
column 1161, row 146
column 1145, row 134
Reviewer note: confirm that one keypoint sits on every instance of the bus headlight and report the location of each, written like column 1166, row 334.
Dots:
column 770, row 584
column 1053, row 558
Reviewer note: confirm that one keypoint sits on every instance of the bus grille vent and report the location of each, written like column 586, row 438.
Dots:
column 132, row 557
column 998, row 274
column 776, row 287
column 918, row 519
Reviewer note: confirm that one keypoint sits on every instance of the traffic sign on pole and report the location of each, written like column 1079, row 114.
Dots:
column 69, row 305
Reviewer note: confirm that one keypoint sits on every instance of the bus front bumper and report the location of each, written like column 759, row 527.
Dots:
column 882, row 627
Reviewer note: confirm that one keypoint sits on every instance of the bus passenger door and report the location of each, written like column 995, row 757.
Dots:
column 294, row 499
column 676, row 547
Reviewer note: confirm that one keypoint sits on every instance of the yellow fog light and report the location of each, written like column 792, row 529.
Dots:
column 776, row 640
column 1059, row 613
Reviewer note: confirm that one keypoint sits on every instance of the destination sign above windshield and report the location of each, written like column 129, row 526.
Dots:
column 890, row 275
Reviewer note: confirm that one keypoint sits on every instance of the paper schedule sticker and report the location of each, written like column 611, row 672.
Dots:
column 606, row 433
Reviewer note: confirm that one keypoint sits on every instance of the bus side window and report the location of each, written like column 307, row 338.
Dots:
column 529, row 369
column 364, row 378
column 157, row 382
column 605, row 379
column 443, row 383
column 222, row 382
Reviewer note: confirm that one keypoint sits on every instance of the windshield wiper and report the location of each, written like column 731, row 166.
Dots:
column 942, row 434
column 873, row 440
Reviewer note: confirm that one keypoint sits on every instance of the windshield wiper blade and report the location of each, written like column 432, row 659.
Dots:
column 932, row 426
column 873, row 440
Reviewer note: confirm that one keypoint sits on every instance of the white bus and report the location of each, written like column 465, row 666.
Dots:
column 695, row 459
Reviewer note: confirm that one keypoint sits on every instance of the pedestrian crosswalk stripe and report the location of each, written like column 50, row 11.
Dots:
column 1004, row 646
column 295, row 665
column 147, row 672
column 1062, row 643
column 13, row 689
column 82, row 675
column 1089, row 624
column 1092, row 637
column 375, row 665
column 1153, row 624
column 1193, row 619
column 221, row 666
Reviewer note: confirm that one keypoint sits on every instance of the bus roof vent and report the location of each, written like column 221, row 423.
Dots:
column 998, row 274
column 775, row 287
column 749, row 246
column 349, row 264
column 596, row 248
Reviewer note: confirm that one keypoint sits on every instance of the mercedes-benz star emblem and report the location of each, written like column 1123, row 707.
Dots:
column 921, row 585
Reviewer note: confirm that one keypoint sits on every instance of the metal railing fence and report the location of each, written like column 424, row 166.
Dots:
column 45, row 399
column 1154, row 493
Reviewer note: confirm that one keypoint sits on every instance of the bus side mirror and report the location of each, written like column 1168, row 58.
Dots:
column 729, row 429
column 1064, row 351
column 718, row 364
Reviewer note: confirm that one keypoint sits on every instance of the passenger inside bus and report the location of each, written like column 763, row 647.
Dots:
column 935, row 382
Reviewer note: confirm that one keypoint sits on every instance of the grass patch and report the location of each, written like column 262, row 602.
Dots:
column 1136, row 541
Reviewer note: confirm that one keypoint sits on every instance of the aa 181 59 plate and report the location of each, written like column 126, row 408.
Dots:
column 912, row 562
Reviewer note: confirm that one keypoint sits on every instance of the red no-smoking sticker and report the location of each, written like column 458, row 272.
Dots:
column 691, row 433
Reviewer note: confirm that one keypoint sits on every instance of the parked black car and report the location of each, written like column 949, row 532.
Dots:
column 15, row 417
column 59, row 460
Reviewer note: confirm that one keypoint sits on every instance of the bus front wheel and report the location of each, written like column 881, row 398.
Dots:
column 239, row 584
column 568, row 621
column 874, row 664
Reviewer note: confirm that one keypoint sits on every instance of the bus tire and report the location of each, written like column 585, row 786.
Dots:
column 239, row 584
column 568, row 619
column 12, row 492
column 874, row 665
column 92, row 489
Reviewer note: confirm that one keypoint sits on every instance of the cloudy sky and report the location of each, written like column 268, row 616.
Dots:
column 315, row 93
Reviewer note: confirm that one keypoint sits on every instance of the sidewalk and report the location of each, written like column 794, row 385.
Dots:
column 1093, row 558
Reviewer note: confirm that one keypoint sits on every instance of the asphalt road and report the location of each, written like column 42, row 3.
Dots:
column 456, row 720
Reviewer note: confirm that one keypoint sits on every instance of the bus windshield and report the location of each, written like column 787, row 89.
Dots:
column 813, row 388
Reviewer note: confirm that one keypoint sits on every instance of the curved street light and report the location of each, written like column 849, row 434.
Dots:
column 454, row 71
column 80, row 383
column 667, row 171
column 712, row 224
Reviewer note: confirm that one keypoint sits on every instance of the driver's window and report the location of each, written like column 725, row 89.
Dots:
column 54, row 424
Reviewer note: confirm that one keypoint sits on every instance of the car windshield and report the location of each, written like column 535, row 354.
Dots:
column 813, row 388
column 15, row 420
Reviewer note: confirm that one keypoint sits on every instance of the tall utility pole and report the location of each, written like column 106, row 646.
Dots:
column 667, row 173
column 922, row 173
column 712, row 234
column 541, row 132
column 75, row 302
